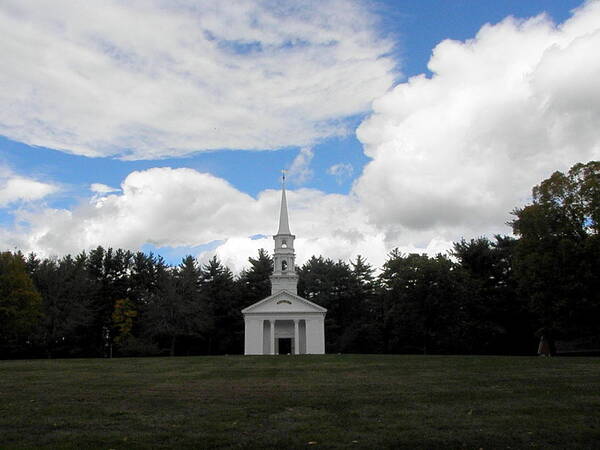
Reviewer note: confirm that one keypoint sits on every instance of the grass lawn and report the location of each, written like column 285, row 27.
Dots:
column 361, row 401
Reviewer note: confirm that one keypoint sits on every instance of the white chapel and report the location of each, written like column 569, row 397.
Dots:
column 284, row 323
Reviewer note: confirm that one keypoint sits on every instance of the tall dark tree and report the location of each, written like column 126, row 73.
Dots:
column 557, row 258
column 333, row 286
column 142, row 278
column 101, row 303
column 362, row 335
column 200, row 322
column 109, row 281
column 421, row 304
column 174, row 309
column 222, row 299
column 142, row 285
column 497, row 318
column 255, row 282
column 66, row 304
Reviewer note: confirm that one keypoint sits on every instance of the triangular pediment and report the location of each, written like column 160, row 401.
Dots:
column 284, row 302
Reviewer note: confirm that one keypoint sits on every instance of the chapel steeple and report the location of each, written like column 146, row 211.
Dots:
column 284, row 225
column 284, row 276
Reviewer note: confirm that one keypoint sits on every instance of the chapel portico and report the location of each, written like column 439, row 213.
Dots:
column 284, row 322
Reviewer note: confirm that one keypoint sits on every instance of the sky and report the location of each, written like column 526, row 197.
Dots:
column 163, row 126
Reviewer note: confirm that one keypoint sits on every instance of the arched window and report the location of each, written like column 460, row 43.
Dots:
column 284, row 265
column 283, row 243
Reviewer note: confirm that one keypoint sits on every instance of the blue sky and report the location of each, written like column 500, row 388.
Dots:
column 402, row 36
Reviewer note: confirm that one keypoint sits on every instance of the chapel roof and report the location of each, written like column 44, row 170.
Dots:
column 284, row 225
column 308, row 306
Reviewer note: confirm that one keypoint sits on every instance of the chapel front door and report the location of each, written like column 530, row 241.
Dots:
column 285, row 346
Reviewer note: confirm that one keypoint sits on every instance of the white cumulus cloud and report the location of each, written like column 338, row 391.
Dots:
column 145, row 80
column 455, row 153
column 183, row 207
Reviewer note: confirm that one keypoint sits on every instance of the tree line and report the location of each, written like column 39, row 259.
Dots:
column 486, row 296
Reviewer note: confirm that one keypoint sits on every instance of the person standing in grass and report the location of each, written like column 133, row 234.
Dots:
column 544, row 347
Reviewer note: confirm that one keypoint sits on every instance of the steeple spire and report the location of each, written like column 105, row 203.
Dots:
column 284, row 226
column 284, row 276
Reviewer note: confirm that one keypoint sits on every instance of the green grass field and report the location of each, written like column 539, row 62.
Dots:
column 360, row 401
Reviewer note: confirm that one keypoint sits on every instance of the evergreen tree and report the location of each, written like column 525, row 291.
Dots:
column 174, row 310
column 108, row 271
column 68, row 313
column 363, row 334
column 142, row 278
column 333, row 286
column 254, row 282
column 497, row 319
column 421, row 304
column 222, row 299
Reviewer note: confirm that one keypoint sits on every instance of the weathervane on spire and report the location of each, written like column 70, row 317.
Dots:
column 283, row 171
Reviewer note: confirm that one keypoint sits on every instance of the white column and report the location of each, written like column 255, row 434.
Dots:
column 322, row 325
column 296, row 338
column 272, row 349
column 260, row 346
column 265, row 349
column 310, row 337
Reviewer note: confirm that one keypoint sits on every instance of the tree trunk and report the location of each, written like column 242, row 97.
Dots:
column 172, row 352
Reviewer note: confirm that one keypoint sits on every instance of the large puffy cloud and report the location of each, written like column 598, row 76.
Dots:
column 183, row 207
column 162, row 206
column 455, row 153
column 161, row 78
